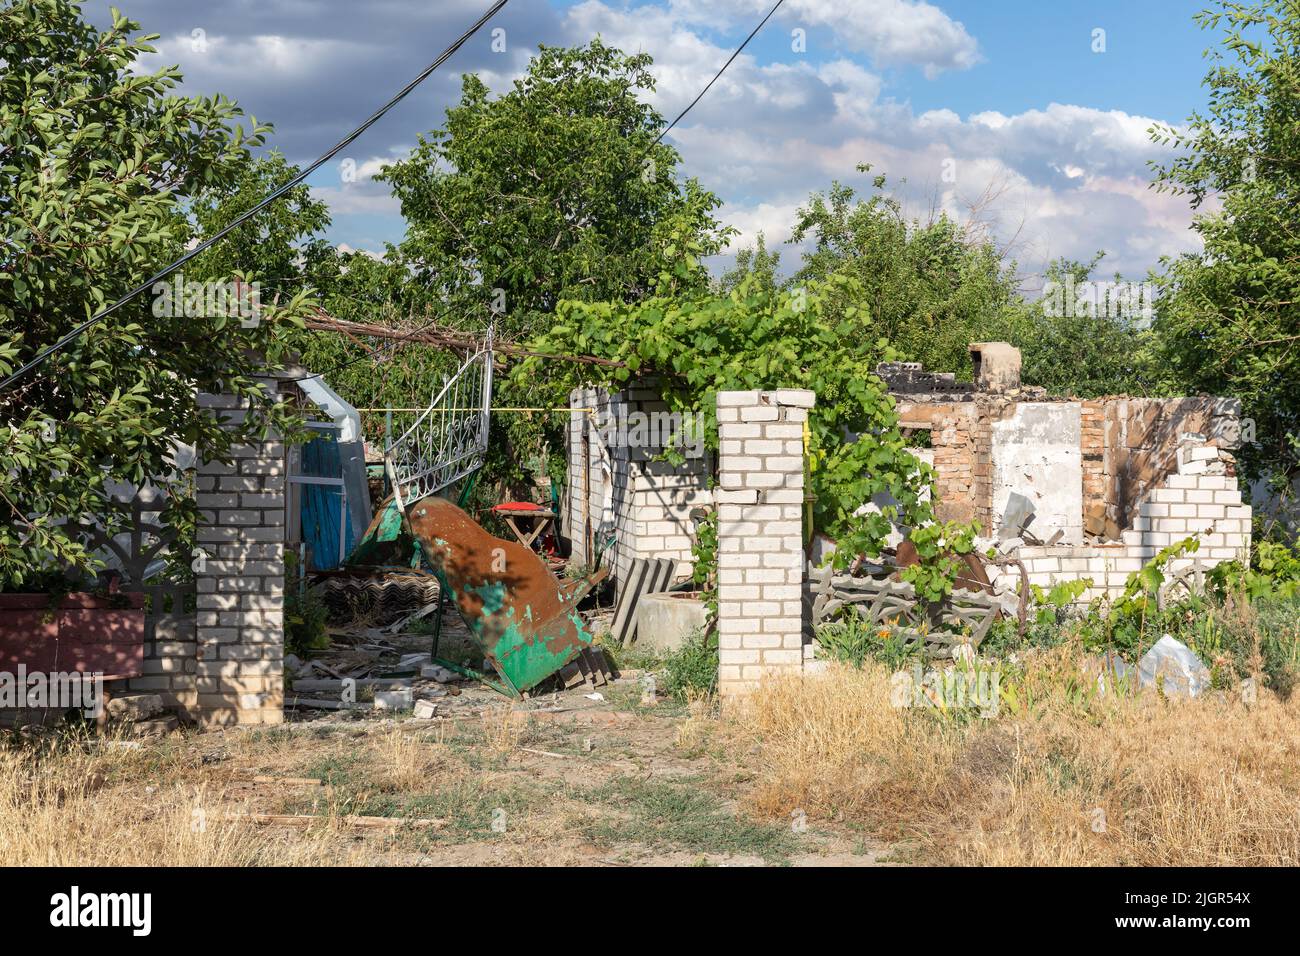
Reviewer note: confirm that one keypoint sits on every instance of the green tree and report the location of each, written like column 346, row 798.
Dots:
column 284, row 248
column 97, row 163
column 555, row 189
column 928, row 289
column 551, row 191
column 1086, row 349
column 932, row 288
column 281, row 244
column 758, row 264
column 756, row 337
column 1229, row 316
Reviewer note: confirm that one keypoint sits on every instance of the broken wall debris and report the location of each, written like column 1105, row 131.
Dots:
column 996, row 366
column 1111, row 480
column 1131, row 445
column 622, row 504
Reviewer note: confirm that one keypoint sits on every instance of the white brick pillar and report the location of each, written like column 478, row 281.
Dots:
column 240, row 582
column 760, row 535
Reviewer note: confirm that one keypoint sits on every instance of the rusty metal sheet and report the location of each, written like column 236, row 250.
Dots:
column 523, row 617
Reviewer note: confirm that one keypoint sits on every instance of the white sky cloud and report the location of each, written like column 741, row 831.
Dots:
column 1071, row 179
column 890, row 32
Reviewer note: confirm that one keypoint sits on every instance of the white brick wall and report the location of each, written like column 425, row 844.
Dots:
column 760, row 535
column 1201, row 501
column 239, row 626
column 644, row 504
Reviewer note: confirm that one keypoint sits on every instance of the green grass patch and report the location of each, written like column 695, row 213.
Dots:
column 469, row 809
column 680, row 815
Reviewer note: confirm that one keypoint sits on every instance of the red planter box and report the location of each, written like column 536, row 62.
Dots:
column 84, row 633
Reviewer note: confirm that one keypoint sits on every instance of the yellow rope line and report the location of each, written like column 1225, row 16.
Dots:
column 494, row 409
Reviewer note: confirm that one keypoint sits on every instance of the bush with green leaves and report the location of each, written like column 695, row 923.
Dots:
column 850, row 639
column 98, row 162
column 1246, row 623
column 305, row 613
column 756, row 337
column 693, row 667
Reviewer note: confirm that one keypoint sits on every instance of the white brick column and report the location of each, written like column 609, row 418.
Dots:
column 240, row 621
column 760, row 535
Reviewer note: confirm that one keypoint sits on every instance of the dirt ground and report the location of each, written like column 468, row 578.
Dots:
column 593, row 775
column 562, row 779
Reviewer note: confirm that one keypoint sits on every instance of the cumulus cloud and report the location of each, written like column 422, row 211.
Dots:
column 1058, row 180
column 1069, row 179
column 891, row 32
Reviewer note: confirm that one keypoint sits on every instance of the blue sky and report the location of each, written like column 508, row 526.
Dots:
column 1000, row 105
column 1035, row 53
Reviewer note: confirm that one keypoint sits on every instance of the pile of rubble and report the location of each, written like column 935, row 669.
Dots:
column 365, row 670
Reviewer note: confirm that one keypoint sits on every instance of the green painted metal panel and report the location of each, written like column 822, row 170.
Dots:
column 520, row 615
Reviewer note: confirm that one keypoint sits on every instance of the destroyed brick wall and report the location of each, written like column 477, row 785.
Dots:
column 1200, row 499
column 1112, row 480
column 641, row 505
column 1130, row 447
column 1099, row 519
column 962, row 468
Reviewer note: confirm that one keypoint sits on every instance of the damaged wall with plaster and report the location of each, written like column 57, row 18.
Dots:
column 1034, row 451
column 621, row 504
column 1111, row 480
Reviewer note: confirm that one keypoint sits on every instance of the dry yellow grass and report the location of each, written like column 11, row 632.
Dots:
column 701, row 707
column 410, row 763
column 1066, row 777
column 503, row 729
column 68, row 805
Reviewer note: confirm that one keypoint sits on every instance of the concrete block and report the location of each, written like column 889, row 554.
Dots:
column 400, row 699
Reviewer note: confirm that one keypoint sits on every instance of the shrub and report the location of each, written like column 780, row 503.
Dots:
column 692, row 668
column 305, row 613
column 852, row 640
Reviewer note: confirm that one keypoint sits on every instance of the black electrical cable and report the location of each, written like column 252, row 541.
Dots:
column 762, row 23
column 98, row 317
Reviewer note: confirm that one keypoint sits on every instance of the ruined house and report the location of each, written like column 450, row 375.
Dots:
column 1075, row 487
column 1110, row 481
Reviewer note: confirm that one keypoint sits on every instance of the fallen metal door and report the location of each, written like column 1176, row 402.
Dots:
column 523, row 618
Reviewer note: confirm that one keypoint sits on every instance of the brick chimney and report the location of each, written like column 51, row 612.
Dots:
column 997, row 366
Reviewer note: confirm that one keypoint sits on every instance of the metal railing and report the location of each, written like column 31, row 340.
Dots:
column 449, row 440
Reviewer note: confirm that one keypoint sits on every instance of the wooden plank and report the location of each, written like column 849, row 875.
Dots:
column 308, row 820
column 378, row 683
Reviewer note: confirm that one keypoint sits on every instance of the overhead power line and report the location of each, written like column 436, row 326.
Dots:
column 98, row 317
column 753, row 33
